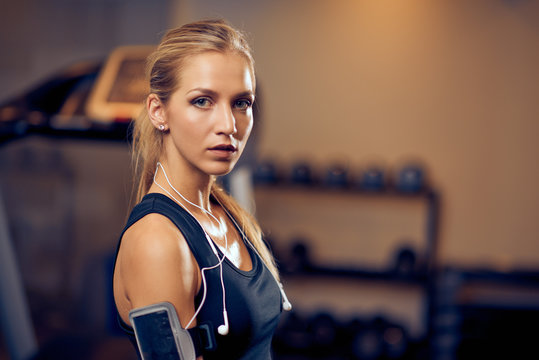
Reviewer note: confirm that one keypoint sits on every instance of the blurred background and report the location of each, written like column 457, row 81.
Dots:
column 393, row 163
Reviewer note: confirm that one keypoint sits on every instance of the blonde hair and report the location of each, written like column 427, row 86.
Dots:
column 163, row 70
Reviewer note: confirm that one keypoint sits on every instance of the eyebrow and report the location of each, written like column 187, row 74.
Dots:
column 246, row 93
column 215, row 94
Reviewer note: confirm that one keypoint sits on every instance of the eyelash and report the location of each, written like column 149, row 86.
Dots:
column 203, row 102
column 197, row 102
column 247, row 104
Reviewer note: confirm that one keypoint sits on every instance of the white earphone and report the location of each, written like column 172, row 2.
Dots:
column 224, row 328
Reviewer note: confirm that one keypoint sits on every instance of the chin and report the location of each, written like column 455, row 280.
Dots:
column 221, row 170
column 223, row 173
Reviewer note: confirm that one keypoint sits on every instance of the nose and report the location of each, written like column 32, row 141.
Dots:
column 226, row 121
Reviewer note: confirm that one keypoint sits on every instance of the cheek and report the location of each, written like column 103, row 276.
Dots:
column 189, row 125
column 246, row 128
column 184, row 134
column 191, row 117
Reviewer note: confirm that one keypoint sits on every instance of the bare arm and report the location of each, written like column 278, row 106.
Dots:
column 155, row 264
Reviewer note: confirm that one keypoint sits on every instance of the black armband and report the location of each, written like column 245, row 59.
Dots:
column 160, row 336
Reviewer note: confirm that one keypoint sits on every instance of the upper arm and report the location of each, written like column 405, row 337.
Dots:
column 155, row 264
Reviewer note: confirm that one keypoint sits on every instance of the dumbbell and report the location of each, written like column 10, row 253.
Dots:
column 372, row 179
column 293, row 333
column 410, row 179
column 404, row 262
column 266, row 173
column 301, row 173
column 396, row 341
column 367, row 340
column 380, row 339
column 298, row 259
column 323, row 329
column 336, row 177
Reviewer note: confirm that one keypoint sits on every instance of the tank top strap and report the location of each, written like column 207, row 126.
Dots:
column 185, row 222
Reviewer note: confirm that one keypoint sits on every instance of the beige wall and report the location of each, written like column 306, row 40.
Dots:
column 451, row 82
column 454, row 83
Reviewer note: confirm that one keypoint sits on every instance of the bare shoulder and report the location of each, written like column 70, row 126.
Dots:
column 153, row 253
column 152, row 236
column 154, row 243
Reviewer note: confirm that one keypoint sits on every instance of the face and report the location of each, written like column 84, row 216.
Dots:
column 209, row 117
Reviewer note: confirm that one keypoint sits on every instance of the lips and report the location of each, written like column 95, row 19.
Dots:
column 223, row 152
column 224, row 147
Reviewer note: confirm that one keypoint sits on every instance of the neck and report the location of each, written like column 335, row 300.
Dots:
column 188, row 190
column 196, row 201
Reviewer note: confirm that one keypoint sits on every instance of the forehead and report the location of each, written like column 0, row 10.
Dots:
column 216, row 71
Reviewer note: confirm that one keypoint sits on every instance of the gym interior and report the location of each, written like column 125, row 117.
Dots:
column 392, row 168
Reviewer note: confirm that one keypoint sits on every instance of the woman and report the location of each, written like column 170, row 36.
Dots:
column 187, row 242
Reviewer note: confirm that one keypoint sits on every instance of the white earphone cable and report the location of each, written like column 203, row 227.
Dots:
column 220, row 260
column 223, row 329
column 287, row 306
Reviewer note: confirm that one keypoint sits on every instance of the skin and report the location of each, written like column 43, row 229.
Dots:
column 211, row 107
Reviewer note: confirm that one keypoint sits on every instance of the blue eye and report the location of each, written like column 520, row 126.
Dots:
column 242, row 104
column 201, row 102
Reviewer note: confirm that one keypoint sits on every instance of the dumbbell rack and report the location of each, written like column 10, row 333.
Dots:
column 485, row 313
column 278, row 202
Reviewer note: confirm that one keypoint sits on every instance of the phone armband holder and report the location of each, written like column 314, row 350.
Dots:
column 159, row 334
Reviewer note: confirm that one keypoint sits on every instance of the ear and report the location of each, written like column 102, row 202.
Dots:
column 156, row 112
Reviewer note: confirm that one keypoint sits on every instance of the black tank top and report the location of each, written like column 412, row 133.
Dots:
column 253, row 298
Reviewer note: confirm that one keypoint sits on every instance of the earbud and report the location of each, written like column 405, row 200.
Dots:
column 223, row 329
column 287, row 306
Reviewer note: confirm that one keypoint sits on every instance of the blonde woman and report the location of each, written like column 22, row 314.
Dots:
column 187, row 242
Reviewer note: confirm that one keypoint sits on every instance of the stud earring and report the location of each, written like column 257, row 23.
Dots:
column 161, row 127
